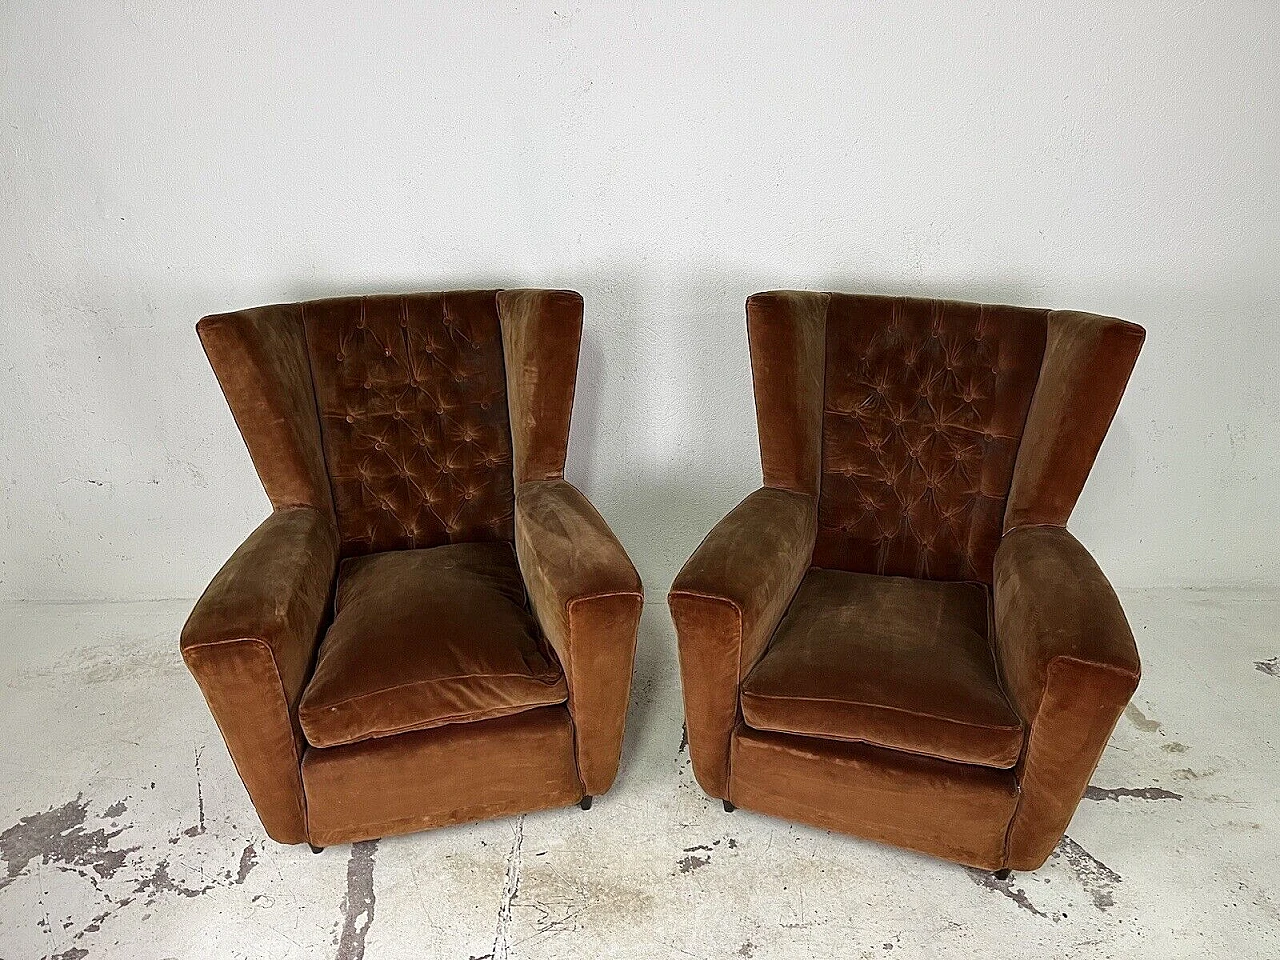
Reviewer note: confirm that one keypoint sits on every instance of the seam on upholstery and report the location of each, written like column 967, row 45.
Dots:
column 601, row 595
column 571, row 688
column 950, row 426
column 877, row 746
column 1035, row 526
column 450, row 720
column 886, row 706
column 419, row 683
column 1031, row 405
column 989, row 596
column 320, row 428
column 984, row 765
column 573, row 392
column 573, row 738
column 822, row 433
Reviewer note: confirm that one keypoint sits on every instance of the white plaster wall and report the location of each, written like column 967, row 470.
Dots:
column 163, row 160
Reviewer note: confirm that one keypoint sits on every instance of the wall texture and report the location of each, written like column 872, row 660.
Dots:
column 163, row 160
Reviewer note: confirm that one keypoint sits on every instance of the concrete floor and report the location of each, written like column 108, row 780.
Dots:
column 125, row 833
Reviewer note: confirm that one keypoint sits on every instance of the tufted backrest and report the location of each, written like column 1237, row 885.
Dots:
column 412, row 399
column 923, row 409
column 391, row 412
column 906, row 419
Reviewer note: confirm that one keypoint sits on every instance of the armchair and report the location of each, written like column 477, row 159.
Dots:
column 433, row 626
column 896, row 637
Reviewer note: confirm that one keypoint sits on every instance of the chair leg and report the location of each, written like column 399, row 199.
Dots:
column 1003, row 874
column 315, row 849
column 585, row 802
column 729, row 807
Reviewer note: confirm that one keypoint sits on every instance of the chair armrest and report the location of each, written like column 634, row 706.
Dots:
column 1070, row 666
column 588, row 598
column 250, row 642
column 726, row 604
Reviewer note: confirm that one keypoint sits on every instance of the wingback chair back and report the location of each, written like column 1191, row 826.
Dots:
column 391, row 412
column 896, row 636
column 433, row 626
column 906, row 418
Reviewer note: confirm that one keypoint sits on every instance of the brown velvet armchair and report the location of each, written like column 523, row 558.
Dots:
column 897, row 637
column 432, row 626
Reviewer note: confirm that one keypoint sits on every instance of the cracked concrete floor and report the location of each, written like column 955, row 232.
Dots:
column 125, row 833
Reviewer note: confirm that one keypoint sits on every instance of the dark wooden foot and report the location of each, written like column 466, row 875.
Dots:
column 315, row 849
column 1004, row 874
column 585, row 802
column 729, row 807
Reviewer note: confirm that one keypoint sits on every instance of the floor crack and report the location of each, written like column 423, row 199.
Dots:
column 510, row 889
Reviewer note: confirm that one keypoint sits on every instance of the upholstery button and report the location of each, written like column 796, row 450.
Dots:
column 350, row 418
column 467, row 496
column 439, row 409
column 388, row 352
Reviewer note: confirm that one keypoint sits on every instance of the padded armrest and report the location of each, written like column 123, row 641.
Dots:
column 1070, row 665
column 588, row 598
column 726, row 604
column 250, row 642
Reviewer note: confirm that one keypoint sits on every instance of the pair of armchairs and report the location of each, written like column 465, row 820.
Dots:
column 895, row 637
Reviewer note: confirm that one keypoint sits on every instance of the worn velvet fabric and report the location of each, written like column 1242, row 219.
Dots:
column 1071, row 665
column 436, row 778
column 465, row 674
column 950, row 810
column 422, row 638
column 879, row 641
column 588, row 599
column 250, row 641
column 889, row 661
column 412, row 399
column 726, row 603
column 924, row 407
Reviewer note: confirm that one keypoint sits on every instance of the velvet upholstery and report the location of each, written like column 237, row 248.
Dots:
column 440, row 777
column 249, row 643
column 412, row 399
column 726, row 603
column 896, row 637
column 889, row 661
column 950, row 810
column 1070, row 665
column 588, row 599
column 925, row 402
column 407, row 642
column 424, row 638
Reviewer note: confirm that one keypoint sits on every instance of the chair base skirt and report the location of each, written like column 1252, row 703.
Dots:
column 950, row 810
column 435, row 778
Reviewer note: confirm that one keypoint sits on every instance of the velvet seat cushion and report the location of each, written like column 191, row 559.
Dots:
column 889, row 661
column 423, row 638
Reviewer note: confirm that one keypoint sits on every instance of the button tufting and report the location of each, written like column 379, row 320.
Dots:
column 910, row 389
column 406, row 484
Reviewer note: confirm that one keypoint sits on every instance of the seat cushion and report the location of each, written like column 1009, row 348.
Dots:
column 422, row 638
column 889, row 661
